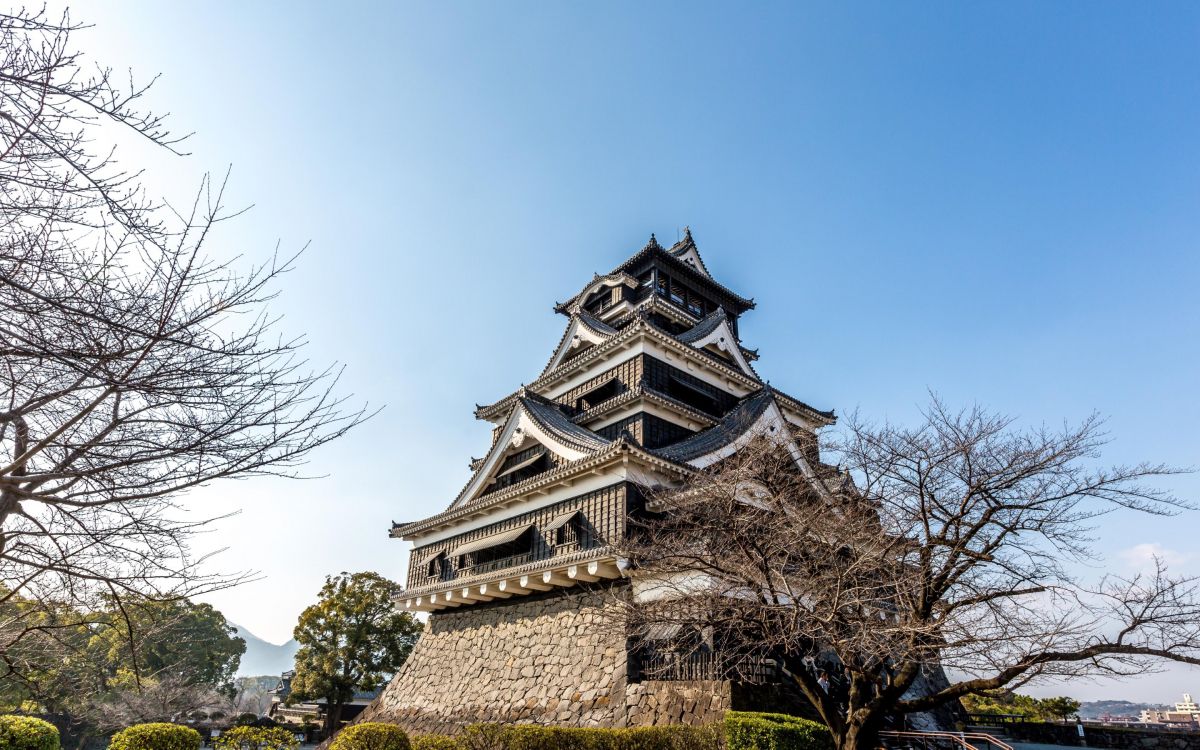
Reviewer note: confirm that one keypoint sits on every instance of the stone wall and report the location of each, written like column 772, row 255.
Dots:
column 655, row 703
column 557, row 658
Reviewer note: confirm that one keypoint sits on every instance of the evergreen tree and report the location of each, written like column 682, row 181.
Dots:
column 352, row 639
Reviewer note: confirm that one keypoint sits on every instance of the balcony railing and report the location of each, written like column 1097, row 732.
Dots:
column 511, row 561
column 707, row 666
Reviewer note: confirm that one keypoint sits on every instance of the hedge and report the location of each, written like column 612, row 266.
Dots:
column 370, row 736
column 257, row 738
column 434, row 742
column 27, row 733
column 535, row 737
column 742, row 731
column 745, row 730
column 159, row 736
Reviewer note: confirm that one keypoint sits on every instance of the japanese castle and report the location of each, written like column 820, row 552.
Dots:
column 649, row 382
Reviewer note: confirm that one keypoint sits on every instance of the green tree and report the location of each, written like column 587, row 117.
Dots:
column 1002, row 702
column 1060, row 707
column 120, row 664
column 179, row 639
column 352, row 639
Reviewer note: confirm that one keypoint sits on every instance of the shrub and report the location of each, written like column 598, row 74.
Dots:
column 160, row 736
column 370, row 736
column 257, row 738
column 534, row 737
column 434, row 742
column 677, row 737
column 745, row 730
column 27, row 733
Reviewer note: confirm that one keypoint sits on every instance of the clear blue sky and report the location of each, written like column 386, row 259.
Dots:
column 997, row 201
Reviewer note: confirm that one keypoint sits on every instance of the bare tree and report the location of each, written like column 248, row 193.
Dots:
column 133, row 367
column 945, row 546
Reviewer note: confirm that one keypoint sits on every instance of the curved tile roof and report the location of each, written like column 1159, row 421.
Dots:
column 741, row 418
column 594, row 323
column 707, row 325
column 588, row 321
column 551, row 419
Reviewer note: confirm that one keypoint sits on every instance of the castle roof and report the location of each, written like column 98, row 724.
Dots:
column 733, row 426
column 676, row 260
column 691, row 393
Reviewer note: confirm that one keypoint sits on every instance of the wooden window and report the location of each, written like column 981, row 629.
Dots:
column 598, row 395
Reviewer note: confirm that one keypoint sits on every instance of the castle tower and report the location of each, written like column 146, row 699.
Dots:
column 649, row 382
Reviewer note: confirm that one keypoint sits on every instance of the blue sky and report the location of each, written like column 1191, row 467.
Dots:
column 998, row 202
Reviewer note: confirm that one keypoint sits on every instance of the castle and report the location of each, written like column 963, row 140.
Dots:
column 649, row 383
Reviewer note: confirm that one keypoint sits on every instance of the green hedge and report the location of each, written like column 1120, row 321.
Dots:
column 759, row 731
column 370, row 736
column 434, row 742
column 27, row 733
column 535, row 737
column 257, row 738
column 159, row 736
column 742, row 731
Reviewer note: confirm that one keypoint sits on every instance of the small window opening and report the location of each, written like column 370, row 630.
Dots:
column 437, row 566
column 692, row 395
column 598, row 395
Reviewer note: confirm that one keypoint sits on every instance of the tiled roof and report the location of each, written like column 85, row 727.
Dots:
column 730, row 428
column 610, row 279
column 707, row 325
column 622, row 446
column 597, row 325
column 592, row 323
column 652, row 248
column 550, row 418
column 643, row 391
column 639, row 324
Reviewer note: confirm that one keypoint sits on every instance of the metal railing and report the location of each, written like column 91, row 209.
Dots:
column 942, row 740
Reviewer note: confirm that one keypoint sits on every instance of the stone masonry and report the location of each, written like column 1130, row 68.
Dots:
column 555, row 659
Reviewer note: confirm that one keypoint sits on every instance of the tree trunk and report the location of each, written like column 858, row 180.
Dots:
column 333, row 719
column 859, row 735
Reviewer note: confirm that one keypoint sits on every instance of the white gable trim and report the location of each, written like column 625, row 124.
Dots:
column 600, row 283
column 518, row 430
column 692, row 257
column 578, row 334
column 723, row 339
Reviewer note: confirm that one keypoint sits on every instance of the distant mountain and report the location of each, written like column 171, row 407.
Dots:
column 262, row 658
column 1096, row 709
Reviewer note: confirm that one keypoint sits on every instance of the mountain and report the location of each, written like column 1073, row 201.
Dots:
column 263, row 658
column 1096, row 709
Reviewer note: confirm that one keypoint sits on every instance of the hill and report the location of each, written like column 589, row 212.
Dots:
column 264, row 658
column 1096, row 709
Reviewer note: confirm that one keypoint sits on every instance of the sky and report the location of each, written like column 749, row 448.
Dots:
column 997, row 202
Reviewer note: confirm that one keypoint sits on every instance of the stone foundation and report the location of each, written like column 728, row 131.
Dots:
column 655, row 703
column 558, row 659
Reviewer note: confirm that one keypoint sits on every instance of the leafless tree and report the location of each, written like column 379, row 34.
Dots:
column 169, row 699
column 133, row 366
column 945, row 546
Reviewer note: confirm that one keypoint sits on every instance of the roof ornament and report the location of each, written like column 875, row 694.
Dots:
column 653, row 243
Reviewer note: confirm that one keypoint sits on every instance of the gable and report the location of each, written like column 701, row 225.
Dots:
column 530, row 426
column 583, row 332
column 721, row 341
